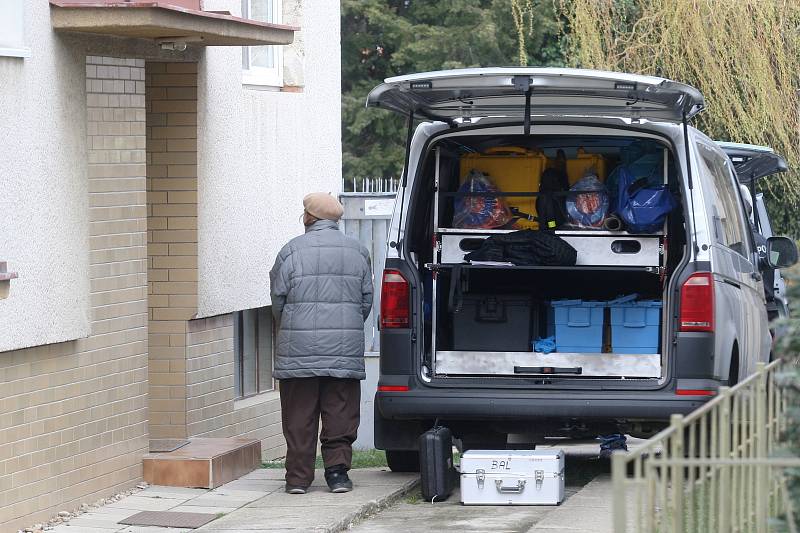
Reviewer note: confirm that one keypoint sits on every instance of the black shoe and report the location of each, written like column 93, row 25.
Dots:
column 295, row 489
column 337, row 479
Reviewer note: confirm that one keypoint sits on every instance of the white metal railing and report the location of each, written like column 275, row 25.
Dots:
column 366, row 219
column 715, row 469
column 370, row 184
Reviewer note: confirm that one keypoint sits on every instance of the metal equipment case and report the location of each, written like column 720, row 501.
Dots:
column 495, row 323
column 512, row 477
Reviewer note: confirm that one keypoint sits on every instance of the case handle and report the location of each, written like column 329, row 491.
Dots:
column 506, row 150
column 509, row 490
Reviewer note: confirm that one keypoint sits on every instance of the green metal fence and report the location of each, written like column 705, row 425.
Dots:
column 713, row 470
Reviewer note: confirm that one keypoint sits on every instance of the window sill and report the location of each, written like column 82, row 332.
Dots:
column 4, row 274
column 15, row 52
column 274, row 88
column 253, row 86
column 258, row 399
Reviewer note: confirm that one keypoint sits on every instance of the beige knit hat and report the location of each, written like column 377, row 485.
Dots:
column 323, row 206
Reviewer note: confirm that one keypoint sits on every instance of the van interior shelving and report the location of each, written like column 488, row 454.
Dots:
column 483, row 320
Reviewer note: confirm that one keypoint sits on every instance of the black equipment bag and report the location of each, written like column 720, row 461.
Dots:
column 551, row 207
column 526, row 248
column 437, row 474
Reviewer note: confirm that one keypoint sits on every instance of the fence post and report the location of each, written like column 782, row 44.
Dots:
column 762, row 491
column 676, row 472
column 618, row 485
column 724, row 521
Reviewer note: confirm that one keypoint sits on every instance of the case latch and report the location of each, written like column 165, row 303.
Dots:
column 539, row 479
column 480, row 475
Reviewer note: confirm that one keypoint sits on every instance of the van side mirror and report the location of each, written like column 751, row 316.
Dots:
column 781, row 252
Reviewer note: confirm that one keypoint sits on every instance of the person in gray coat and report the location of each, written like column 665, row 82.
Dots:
column 321, row 288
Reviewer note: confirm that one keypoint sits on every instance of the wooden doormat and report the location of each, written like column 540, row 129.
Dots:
column 168, row 519
column 166, row 445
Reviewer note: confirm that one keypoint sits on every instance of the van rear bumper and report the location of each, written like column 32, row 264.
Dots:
column 490, row 406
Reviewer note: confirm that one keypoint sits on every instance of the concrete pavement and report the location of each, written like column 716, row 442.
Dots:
column 319, row 510
column 254, row 502
column 587, row 511
column 579, row 513
column 587, row 507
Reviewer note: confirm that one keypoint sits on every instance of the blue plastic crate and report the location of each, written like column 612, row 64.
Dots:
column 578, row 326
column 635, row 325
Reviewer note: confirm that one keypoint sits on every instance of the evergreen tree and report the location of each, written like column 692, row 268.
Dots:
column 383, row 38
column 788, row 348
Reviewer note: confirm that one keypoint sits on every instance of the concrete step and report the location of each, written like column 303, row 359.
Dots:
column 203, row 463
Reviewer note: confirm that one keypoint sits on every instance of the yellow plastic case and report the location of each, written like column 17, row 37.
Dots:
column 577, row 167
column 511, row 169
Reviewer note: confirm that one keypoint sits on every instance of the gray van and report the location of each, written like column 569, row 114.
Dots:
column 460, row 338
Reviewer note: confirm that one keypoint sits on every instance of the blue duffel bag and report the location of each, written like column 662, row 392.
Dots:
column 641, row 206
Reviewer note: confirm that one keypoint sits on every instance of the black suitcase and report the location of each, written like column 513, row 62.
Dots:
column 437, row 475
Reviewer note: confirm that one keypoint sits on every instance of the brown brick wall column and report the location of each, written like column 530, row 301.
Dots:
column 172, row 237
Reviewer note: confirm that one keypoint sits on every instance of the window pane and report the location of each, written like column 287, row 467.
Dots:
column 262, row 56
column 11, row 23
column 728, row 220
column 265, row 349
column 237, row 356
column 262, row 10
column 249, row 324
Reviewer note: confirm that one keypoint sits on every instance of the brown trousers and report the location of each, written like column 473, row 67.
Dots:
column 303, row 400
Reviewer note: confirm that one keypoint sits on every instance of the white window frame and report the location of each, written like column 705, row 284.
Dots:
column 273, row 76
column 12, row 29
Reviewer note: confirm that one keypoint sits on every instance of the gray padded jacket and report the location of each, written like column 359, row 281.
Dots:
column 321, row 288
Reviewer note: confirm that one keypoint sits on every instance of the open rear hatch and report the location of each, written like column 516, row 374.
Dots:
column 753, row 162
column 458, row 95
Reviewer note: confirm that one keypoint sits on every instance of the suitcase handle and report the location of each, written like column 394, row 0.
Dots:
column 506, row 150
column 509, row 490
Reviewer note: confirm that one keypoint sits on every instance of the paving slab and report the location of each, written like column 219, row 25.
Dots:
column 100, row 521
column 157, row 491
column 214, row 500
column 201, row 509
column 108, row 513
column 255, row 485
column 154, row 529
column 66, row 528
column 139, row 503
column 361, row 476
column 268, row 519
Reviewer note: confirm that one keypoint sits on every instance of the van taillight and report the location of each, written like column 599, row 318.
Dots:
column 394, row 300
column 697, row 303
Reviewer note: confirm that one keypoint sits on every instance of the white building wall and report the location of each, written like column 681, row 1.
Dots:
column 44, row 226
column 260, row 150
